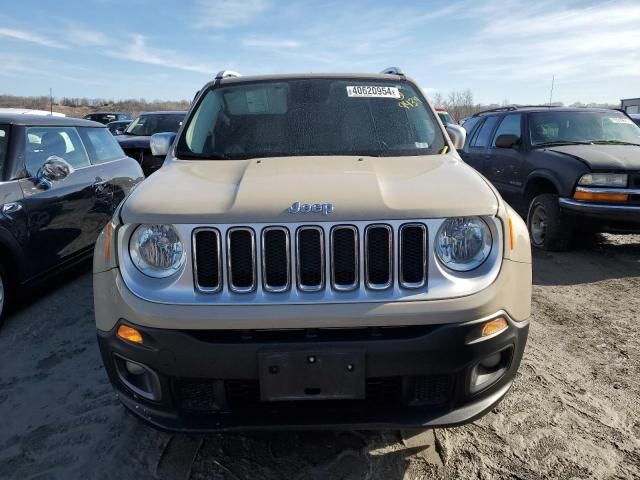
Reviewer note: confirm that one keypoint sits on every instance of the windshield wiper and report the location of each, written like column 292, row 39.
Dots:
column 208, row 156
column 614, row 142
column 559, row 143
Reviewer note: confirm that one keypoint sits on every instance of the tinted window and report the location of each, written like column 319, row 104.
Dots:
column 469, row 125
column 4, row 145
column 484, row 134
column 582, row 126
column 445, row 118
column 510, row 125
column 146, row 125
column 44, row 142
column 311, row 117
column 101, row 145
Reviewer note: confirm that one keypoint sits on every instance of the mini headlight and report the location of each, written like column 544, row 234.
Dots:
column 157, row 250
column 603, row 180
column 463, row 243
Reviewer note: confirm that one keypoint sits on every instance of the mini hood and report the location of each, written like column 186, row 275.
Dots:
column 604, row 157
column 133, row 141
column 262, row 190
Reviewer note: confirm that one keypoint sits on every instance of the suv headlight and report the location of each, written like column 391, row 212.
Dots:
column 603, row 180
column 156, row 250
column 463, row 243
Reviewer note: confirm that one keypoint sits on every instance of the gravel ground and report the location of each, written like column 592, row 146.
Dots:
column 574, row 410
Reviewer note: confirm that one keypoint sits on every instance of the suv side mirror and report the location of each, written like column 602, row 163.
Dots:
column 507, row 141
column 52, row 170
column 161, row 143
column 457, row 134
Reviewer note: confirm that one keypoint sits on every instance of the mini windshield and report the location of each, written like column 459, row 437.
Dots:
column 582, row 127
column 146, row 125
column 311, row 117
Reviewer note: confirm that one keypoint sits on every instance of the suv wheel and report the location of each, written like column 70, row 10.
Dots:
column 4, row 292
column 547, row 228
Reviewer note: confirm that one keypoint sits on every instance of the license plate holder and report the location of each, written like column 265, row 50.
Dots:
column 312, row 375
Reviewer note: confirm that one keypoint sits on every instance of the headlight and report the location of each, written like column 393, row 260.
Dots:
column 157, row 250
column 603, row 180
column 463, row 243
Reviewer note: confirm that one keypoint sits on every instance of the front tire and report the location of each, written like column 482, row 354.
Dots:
column 548, row 229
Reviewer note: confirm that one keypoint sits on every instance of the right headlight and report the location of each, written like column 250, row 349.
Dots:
column 603, row 180
column 463, row 243
column 156, row 250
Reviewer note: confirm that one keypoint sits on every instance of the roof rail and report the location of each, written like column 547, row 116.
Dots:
column 510, row 108
column 393, row 71
column 226, row 74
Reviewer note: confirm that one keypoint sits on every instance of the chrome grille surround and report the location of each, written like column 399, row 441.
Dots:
column 356, row 257
column 263, row 243
column 367, row 254
column 180, row 289
column 299, row 273
column 230, row 275
column 201, row 288
column 401, row 242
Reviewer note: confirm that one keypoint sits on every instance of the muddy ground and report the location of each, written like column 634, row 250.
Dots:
column 574, row 411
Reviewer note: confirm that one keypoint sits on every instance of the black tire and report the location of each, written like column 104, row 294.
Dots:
column 548, row 229
column 4, row 294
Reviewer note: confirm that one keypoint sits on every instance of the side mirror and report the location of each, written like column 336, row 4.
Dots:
column 507, row 141
column 161, row 143
column 457, row 134
column 52, row 170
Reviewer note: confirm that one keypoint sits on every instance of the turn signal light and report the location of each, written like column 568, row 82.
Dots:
column 129, row 334
column 600, row 197
column 494, row 326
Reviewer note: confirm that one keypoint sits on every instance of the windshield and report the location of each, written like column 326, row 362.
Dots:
column 582, row 127
column 445, row 118
column 311, row 117
column 146, row 125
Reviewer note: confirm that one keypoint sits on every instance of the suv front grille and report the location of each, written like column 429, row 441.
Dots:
column 311, row 258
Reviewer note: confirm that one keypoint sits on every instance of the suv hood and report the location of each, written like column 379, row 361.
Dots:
column 603, row 157
column 261, row 190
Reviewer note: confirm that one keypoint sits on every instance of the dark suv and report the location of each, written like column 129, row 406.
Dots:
column 107, row 117
column 569, row 169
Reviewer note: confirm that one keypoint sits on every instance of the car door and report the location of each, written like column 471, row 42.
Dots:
column 58, row 217
column 504, row 166
column 475, row 153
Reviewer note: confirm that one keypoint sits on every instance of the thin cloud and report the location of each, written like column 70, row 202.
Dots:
column 24, row 36
column 84, row 37
column 227, row 13
column 138, row 51
column 270, row 43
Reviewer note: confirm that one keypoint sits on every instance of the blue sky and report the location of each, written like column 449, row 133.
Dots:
column 500, row 49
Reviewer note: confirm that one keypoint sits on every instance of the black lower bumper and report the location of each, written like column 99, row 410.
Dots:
column 602, row 217
column 411, row 376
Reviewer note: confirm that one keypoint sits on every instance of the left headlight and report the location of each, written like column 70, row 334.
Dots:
column 463, row 243
column 156, row 250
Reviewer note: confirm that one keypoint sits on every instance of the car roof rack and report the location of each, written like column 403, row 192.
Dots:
column 511, row 108
column 227, row 74
column 393, row 71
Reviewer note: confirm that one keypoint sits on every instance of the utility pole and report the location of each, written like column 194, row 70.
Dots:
column 553, row 79
column 51, row 101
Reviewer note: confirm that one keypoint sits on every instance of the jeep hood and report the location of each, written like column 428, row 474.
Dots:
column 603, row 157
column 261, row 190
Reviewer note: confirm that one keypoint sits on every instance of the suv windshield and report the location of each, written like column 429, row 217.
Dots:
column 582, row 127
column 311, row 117
column 146, row 125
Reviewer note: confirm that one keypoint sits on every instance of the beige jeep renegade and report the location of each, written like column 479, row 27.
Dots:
column 313, row 253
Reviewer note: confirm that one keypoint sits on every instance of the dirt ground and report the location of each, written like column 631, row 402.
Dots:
column 574, row 410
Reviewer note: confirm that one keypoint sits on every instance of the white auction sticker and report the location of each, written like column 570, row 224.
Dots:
column 375, row 91
column 620, row 120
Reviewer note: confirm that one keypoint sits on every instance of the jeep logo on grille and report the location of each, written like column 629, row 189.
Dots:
column 324, row 208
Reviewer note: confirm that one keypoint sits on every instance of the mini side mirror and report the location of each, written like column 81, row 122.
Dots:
column 52, row 170
column 507, row 141
column 457, row 134
column 161, row 143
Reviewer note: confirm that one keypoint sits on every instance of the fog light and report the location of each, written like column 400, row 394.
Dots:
column 134, row 368
column 494, row 326
column 129, row 334
column 491, row 362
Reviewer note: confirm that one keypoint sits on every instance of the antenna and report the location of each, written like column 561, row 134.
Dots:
column 553, row 80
